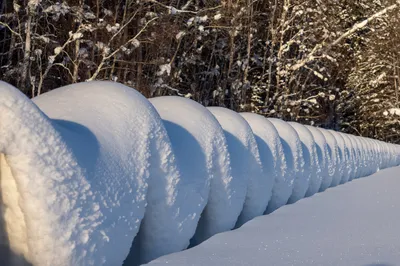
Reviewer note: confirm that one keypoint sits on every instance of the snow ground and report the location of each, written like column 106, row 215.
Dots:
column 352, row 224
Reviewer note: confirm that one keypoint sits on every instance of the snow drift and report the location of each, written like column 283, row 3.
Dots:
column 332, row 159
column 83, row 167
column 294, row 158
column 253, row 186
column 350, row 159
column 312, row 169
column 273, row 162
column 323, row 160
column 342, row 159
column 202, row 153
column 74, row 172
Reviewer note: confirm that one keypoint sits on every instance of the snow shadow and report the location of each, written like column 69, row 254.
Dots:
column 191, row 162
column 81, row 141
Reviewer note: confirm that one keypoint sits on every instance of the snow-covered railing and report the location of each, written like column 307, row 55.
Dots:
column 92, row 172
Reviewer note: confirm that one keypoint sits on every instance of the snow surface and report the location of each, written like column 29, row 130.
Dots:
column 78, row 172
column 252, row 186
column 332, row 157
column 323, row 160
column 201, row 149
column 312, row 169
column 362, row 160
column 294, row 158
column 84, row 166
column 273, row 161
column 343, row 163
column 350, row 159
column 132, row 152
column 352, row 224
column 357, row 156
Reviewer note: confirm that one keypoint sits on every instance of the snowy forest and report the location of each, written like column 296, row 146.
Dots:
column 330, row 63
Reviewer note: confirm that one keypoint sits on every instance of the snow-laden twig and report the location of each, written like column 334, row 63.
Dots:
column 107, row 56
column 356, row 27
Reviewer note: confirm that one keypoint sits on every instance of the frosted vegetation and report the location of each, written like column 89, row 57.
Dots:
column 96, row 174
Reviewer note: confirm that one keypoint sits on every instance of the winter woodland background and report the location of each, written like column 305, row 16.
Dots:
column 329, row 63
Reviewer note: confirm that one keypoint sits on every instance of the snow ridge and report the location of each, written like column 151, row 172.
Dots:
column 95, row 174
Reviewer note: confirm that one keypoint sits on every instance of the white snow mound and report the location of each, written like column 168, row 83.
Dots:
column 312, row 168
column 273, row 162
column 201, row 150
column 74, row 173
column 350, row 165
column 334, row 175
column 294, row 158
column 253, row 187
column 341, row 157
column 323, row 162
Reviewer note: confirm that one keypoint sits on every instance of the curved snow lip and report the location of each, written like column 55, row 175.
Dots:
column 221, row 212
column 332, row 161
column 322, row 156
column 78, row 173
column 294, row 158
column 341, row 157
column 312, row 168
column 273, row 161
column 76, row 164
column 34, row 162
column 254, row 190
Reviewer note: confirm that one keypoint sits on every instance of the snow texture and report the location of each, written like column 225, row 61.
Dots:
column 273, row 161
column 74, row 172
column 350, row 159
column 200, row 146
column 253, row 187
column 312, row 168
column 352, row 224
column 323, row 160
column 293, row 153
column 343, row 163
column 334, row 176
column 357, row 156
column 84, row 166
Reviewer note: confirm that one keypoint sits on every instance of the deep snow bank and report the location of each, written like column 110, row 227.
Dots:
column 332, row 159
column 294, row 158
column 350, row 159
column 323, row 160
column 202, row 153
column 273, row 162
column 253, row 186
column 78, row 176
column 83, row 166
column 342, row 159
column 312, row 170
